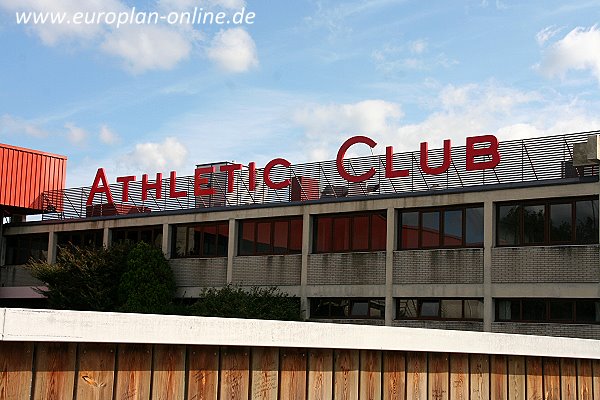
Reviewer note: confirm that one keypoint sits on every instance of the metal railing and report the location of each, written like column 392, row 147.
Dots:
column 526, row 160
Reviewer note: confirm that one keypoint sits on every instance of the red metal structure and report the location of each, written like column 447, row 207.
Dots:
column 25, row 175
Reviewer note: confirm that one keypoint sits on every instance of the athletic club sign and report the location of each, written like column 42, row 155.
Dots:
column 477, row 147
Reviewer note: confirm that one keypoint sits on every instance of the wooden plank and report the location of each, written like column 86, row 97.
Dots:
column 584, row 379
column 320, row 374
column 134, row 369
column 345, row 377
column 596, row 378
column 438, row 376
column 499, row 378
column 96, row 366
column 293, row 374
column 370, row 375
column 459, row 377
column 168, row 377
column 16, row 361
column 533, row 367
column 235, row 376
column 551, row 369
column 265, row 373
column 568, row 379
column 203, row 372
column 480, row 376
column 516, row 378
column 54, row 371
column 416, row 376
column 394, row 375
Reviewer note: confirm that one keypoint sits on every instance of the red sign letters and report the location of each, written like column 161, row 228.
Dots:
column 477, row 147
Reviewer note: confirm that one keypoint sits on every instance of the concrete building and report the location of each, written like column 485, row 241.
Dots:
column 512, row 247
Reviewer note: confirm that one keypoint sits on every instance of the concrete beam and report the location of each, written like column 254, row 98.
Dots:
column 86, row 326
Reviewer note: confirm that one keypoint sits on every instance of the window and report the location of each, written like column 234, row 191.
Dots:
column 585, row 311
column 439, row 309
column 350, row 232
column 21, row 248
column 441, row 227
column 89, row 238
column 149, row 234
column 209, row 239
column 349, row 308
column 554, row 221
column 270, row 236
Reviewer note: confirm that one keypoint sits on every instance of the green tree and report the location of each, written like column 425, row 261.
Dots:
column 147, row 286
column 258, row 303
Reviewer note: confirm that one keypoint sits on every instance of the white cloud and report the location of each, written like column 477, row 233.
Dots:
column 414, row 55
column 418, row 46
column 546, row 34
column 233, row 50
column 141, row 47
column 52, row 34
column 147, row 47
column 107, row 136
column 457, row 112
column 578, row 50
column 160, row 157
column 10, row 125
column 75, row 134
column 327, row 125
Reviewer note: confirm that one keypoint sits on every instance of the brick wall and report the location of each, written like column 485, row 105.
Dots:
column 17, row 275
column 452, row 325
column 267, row 270
column 438, row 266
column 546, row 264
column 346, row 269
column 203, row 272
column 567, row 330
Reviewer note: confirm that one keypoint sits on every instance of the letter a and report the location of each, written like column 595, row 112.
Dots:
column 100, row 178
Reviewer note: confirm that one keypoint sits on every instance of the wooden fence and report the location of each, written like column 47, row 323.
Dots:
column 69, row 370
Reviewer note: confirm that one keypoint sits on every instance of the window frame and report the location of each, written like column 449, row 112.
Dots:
column 29, row 239
column 352, row 301
column 139, row 231
column 351, row 238
column 441, row 210
column 214, row 224
column 548, row 314
column 271, row 221
column 439, row 300
column 547, row 203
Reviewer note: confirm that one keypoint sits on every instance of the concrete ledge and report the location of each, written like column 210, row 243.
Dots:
column 83, row 326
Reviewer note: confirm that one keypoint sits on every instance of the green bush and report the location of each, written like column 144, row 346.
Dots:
column 125, row 277
column 82, row 278
column 147, row 285
column 258, row 303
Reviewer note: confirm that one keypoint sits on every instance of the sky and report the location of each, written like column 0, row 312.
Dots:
column 292, row 79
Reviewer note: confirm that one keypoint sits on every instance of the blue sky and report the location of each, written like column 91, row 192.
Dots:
column 295, row 83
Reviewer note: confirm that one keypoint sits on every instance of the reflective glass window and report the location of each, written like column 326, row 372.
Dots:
column 430, row 229
column 561, row 220
column 453, row 227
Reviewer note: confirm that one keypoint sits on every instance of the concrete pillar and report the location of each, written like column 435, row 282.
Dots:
column 389, row 265
column 231, row 249
column 306, row 230
column 166, row 241
column 488, row 244
column 52, row 247
column 106, row 237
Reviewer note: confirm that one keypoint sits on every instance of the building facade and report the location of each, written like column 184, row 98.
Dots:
column 513, row 248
